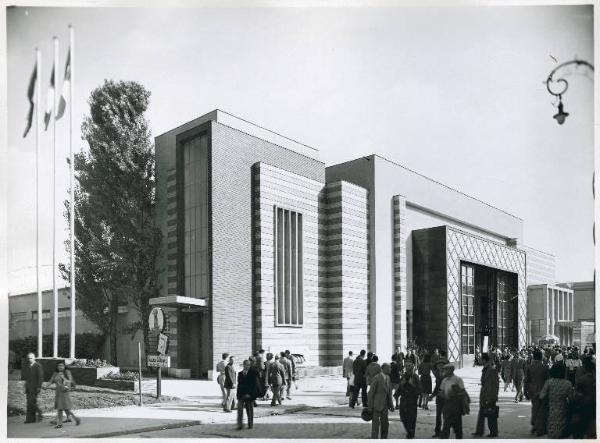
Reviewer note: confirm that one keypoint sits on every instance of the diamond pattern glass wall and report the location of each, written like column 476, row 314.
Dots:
column 195, row 191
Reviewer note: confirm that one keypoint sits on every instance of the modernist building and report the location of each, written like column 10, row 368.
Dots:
column 265, row 247
column 23, row 314
column 564, row 310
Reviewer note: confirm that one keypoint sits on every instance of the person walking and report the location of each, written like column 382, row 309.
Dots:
column 410, row 390
column 380, row 402
column 452, row 390
column 230, row 384
column 425, row 378
column 360, row 382
column 221, row 377
column 439, row 399
column 64, row 382
column 287, row 382
column 395, row 378
column 372, row 369
column 583, row 419
column 558, row 392
column 488, row 397
column 276, row 374
column 247, row 392
column 517, row 369
column 34, row 377
column 506, row 370
column 292, row 361
column 535, row 377
column 347, row 371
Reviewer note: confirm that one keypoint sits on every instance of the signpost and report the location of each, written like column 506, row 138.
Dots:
column 156, row 323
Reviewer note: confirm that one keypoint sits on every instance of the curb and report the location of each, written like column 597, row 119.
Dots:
column 140, row 430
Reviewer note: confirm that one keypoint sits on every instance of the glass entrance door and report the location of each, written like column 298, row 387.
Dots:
column 467, row 312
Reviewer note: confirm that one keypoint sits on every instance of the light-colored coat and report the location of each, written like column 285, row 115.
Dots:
column 380, row 394
column 347, row 367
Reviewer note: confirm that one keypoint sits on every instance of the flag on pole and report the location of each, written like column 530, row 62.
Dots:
column 50, row 100
column 30, row 97
column 65, row 88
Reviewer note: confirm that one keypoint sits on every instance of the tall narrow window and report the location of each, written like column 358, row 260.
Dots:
column 195, row 190
column 288, row 273
column 468, row 315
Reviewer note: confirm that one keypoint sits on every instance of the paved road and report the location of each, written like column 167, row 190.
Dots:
column 330, row 417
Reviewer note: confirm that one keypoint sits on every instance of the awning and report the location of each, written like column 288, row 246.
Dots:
column 178, row 301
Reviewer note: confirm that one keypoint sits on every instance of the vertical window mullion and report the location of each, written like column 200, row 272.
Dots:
column 300, row 272
column 288, row 292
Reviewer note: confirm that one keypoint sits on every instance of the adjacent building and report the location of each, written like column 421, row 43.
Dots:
column 565, row 310
column 265, row 247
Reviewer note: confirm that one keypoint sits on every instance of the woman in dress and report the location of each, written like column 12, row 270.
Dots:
column 64, row 382
column 409, row 390
column 425, row 379
column 557, row 392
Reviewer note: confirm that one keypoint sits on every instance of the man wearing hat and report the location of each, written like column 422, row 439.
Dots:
column 453, row 409
column 488, row 397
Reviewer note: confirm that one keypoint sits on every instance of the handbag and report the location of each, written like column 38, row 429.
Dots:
column 491, row 411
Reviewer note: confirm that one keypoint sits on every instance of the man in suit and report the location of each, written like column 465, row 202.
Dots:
column 347, row 371
column 247, row 391
column 290, row 358
column 535, row 377
column 287, row 369
column 518, row 367
column 373, row 369
column 34, row 377
column 360, row 382
column 439, row 399
column 380, row 402
column 453, row 404
column 488, row 397
column 276, row 376
column 230, row 384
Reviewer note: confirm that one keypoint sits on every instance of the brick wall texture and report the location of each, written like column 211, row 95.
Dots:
column 233, row 155
column 344, row 257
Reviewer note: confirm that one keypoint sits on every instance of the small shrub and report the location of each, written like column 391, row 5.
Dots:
column 90, row 364
column 87, row 345
column 126, row 375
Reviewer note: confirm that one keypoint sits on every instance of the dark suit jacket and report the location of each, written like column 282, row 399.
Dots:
column 489, row 386
column 34, row 377
column 358, row 368
column 247, row 384
column 535, row 376
column 230, row 377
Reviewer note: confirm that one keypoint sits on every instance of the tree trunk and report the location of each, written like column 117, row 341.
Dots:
column 114, row 315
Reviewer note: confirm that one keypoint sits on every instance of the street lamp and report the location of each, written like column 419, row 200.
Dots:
column 561, row 115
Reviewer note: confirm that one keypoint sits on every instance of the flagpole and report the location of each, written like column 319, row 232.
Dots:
column 55, row 289
column 72, row 187
column 38, row 127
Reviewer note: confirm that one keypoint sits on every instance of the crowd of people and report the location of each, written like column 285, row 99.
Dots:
column 559, row 382
column 264, row 377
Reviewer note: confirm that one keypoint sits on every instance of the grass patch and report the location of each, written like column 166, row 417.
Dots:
column 84, row 397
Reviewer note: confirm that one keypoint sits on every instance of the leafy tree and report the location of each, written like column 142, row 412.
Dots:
column 117, row 243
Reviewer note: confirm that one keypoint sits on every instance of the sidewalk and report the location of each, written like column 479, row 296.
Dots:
column 200, row 404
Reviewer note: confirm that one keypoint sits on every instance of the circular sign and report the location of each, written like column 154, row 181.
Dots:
column 156, row 321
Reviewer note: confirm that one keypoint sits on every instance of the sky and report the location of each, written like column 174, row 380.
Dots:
column 455, row 93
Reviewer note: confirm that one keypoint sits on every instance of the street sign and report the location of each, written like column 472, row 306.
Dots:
column 159, row 361
column 156, row 320
column 162, row 344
